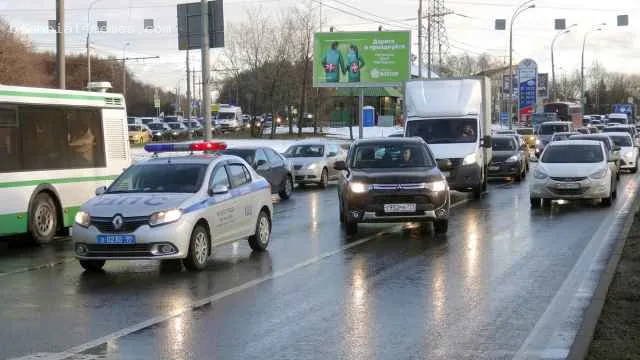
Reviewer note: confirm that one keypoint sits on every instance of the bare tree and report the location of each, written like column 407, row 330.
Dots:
column 304, row 20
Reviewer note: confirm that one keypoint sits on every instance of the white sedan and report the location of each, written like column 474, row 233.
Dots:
column 628, row 150
column 169, row 208
column 573, row 169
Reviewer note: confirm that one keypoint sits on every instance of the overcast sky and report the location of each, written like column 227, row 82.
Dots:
column 617, row 48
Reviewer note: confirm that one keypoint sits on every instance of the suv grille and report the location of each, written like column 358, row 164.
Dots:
column 129, row 224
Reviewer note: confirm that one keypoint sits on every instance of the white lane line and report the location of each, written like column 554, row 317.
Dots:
column 211, row 299
column 556, row 313
column 37, row 267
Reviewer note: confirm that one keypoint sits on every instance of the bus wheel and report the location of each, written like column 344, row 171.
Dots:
column 43, row 218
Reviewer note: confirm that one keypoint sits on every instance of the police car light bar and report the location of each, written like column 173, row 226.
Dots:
column 202, row 146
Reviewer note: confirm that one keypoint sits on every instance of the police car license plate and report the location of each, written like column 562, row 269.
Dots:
column 116, row 239
column 399, row 208
column 568, row 186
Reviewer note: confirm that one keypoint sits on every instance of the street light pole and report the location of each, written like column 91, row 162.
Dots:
column 523, row 7
column 124, row 70
column 584, row 41
column 553, row 67
column 420, row 62
column 89, row 41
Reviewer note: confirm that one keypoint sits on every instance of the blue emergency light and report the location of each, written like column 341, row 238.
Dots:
column 201, row 146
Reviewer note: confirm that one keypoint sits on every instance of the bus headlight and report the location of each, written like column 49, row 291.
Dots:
column 165, row 217
column 83, row 219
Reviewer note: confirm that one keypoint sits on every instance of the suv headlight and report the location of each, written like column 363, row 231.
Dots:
column 512, row 159
column 538, row 174
column 165, row 217
column 83, row 219
column 358, row 187
column 599, row 174
column 436, row 186
column 469, row 159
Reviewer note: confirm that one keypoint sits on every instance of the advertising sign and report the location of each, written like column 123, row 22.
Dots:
column 190, row 25
column 623, row 109
column 528, row 78
column 543, row 85
column 361, row 59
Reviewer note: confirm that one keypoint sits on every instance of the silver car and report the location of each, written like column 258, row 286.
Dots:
column 313, row 161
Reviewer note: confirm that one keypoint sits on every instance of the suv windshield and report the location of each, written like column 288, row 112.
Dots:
column 503, row 144
column 390, row 156
column 225, row 116
column 572, row 154
column 160, row 178
column 551, row 129
column 444, row 131
column 175, row 126
column 156, row 126
column 525, row 131
column 304, row 151
column 622, row 141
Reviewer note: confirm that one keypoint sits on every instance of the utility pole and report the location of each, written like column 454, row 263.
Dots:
column 420, row 35
column 428, row 45
column 193, row 84
column 206, row 97
column 60, row 58
column 188, row 117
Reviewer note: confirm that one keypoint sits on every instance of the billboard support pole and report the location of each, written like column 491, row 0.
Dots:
column 206, row 97
column 360, row 114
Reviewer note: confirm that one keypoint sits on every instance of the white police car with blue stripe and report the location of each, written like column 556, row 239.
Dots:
column 175, row 207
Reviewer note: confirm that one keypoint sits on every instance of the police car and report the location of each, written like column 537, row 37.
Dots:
column 175, row 207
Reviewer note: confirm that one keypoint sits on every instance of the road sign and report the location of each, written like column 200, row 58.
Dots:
column 156, row 99
column 504, row 118
column 543, row 85
column 527, row 78
column 190, row 25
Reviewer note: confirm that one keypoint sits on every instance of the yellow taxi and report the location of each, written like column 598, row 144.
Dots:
column 139, row 134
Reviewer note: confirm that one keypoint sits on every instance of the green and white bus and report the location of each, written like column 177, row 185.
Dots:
column 56, row 148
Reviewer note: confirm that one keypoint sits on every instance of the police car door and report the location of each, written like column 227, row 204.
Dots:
column 244, row 216
column 221, row 215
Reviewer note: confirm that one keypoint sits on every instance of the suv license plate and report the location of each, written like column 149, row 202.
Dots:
column 399, row 208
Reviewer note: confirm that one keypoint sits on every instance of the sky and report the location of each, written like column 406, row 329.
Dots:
column 615, row 48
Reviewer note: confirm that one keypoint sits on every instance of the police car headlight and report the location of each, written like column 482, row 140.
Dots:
column 358, row 187
column 83, row 219
column 165, row 217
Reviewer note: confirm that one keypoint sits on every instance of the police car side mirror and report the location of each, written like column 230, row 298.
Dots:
column 219, row 190
column 101, row 190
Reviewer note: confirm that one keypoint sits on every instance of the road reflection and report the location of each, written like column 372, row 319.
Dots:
column 358, row 314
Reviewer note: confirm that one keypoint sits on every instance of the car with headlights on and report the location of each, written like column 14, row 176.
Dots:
column 175, row 208
column 573, row 169
column 628, row 150
column 390, row 180
column 159, row 131
column 509, row 158
column 313, row 160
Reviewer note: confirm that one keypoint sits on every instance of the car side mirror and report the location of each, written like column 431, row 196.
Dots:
column 444, row 164
column 486, row 142
column 340, row 165
column 101, row 190
column 219, row 190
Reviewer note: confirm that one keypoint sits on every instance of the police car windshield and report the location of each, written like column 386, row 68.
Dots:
column 160, row 178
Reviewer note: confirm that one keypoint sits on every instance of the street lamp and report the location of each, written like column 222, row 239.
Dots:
column 89, row 41
column 584, row 41
column 553, row 69
column 124, row 70
column 520, row 9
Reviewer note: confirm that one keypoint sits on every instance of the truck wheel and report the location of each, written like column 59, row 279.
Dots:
column 92, row 265
column 441, row 226
column 43, row 218
column 260, row 240
column 198, row 249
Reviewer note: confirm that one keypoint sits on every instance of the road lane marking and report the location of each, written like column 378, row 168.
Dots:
column 210, row 299
column 38, row 267
column 570, row 297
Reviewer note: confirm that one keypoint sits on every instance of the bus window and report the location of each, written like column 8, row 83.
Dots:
column 9, row 141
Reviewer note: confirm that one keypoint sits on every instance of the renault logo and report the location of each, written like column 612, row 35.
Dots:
column 398, row 187
column 117, row 222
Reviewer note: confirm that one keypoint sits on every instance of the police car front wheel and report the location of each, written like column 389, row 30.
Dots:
column 198, row 249
column 260, row 240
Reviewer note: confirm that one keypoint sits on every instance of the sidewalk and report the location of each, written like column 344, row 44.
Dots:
column 617, row 333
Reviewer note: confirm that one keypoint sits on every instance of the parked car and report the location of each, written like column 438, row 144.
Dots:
column 159, row 131
column 270, row 165
column 177, row 131
column 509, row 158
column 313, row 161
column 391, row 180
column 139, row 134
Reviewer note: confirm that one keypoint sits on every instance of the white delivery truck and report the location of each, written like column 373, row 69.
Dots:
column 454, row 117
column 229, row 118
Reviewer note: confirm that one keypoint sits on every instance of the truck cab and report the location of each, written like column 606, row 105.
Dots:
column 454, row 117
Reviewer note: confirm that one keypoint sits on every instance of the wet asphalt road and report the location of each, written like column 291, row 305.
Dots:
column 392, row 292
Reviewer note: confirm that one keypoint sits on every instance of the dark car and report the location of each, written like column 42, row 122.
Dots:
column 177, row 131
column 195, row 127
column 270, row 165
column 390, row 180
column 508, row 159
column 159, row 131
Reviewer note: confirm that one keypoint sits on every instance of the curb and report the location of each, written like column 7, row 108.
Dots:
column 580, row 347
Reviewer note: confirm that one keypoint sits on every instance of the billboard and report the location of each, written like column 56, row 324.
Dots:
column 528, row 79
column 543, row 85
column 190, row 25
column 361, row 59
